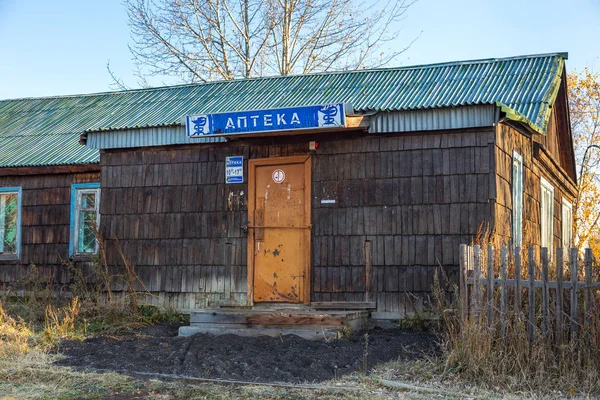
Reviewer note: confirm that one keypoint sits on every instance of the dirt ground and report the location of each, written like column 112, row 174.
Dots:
column 158, row 349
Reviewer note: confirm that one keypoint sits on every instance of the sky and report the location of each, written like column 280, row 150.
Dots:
column 62, row 47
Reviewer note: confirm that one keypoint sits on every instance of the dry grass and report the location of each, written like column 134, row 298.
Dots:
column 37, row 314
column 476, row 352
column 15, row 336
column 87, row 305
column 38, row 378
column 42, row 380
column 477, row 362
column 26, row 371
column 60, row 323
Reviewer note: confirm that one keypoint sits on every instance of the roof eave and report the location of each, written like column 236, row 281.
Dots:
column 552, row 94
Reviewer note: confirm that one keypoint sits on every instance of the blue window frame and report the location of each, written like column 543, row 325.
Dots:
column 10, row 223
column 85, row 218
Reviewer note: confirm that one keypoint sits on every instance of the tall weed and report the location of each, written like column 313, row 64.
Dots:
column 16, row 338
column 61, row 322
column 476, row 350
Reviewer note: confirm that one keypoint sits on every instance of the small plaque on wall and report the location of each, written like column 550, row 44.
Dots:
column 234, row 169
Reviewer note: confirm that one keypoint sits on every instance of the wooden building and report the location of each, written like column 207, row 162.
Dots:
column 43, row 175
column 361, row 205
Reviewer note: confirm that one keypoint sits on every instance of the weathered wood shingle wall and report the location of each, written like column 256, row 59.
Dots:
column 45, row 218
column 178, row 222
column 414, row 198
column 549, row 156
column 535, row 165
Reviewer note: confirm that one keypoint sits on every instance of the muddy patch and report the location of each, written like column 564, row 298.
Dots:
column 289, row 358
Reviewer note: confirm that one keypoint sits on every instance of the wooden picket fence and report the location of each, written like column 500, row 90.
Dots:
column 486, row 298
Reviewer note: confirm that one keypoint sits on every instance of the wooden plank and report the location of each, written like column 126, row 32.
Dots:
column 345, row 279
column 391, row 278
column 343, row 305
column 518, row 290
column 392, row 302
column 368, row 269
column 477, row 285
column 358, row 281
column 228, row 270
column 462, row 282
column 410, row 279
column 334, row 277
column 574, row 278
column 256, row 327
column 293, row 319
column 490, row 286
column 269, row 318
column 559, row 297
column 531, row 292
column 537, row 284
column 545, row 304
column 589, row 299
column 504, row 276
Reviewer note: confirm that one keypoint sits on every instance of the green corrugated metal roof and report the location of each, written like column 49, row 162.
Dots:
column 45, row 131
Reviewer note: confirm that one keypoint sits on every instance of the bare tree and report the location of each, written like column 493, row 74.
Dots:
column 204, row 40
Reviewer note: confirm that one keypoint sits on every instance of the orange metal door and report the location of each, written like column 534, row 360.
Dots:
column 280, row 231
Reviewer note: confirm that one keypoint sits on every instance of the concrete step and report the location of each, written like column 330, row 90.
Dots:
column 306, row 333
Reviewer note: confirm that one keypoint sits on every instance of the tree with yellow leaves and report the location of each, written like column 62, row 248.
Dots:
column 584, row 107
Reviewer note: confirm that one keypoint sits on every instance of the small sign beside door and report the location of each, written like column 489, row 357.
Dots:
column 234, row 169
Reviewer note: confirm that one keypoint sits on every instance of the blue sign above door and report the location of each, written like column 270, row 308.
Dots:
column 260, row 121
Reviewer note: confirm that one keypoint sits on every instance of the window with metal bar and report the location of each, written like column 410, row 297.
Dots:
column 85, row 218
column 567, row 226
column 517, row 198
column 10, row 222
column 547, row 215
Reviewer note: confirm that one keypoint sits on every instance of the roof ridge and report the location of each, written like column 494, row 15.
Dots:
column 563, row 55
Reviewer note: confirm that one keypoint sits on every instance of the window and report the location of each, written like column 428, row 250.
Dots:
column 10, row 222
column 547, row 214
column 567, row 226
column 517, row 198
column 85, row 217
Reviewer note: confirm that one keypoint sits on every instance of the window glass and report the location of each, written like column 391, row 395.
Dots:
column 9, row 224
column 87, row 219
column 547, row 215
column 517, row 196
column 567, row 226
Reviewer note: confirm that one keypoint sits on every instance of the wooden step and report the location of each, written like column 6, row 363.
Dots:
column 307, row 323
column 344, row 305
column 271, row 317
